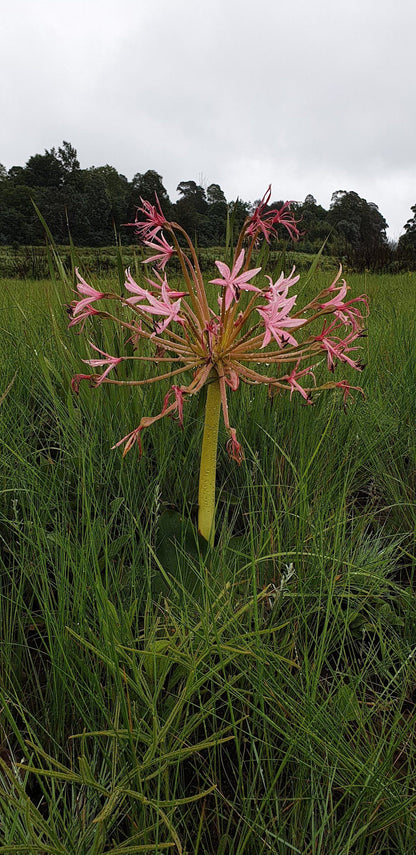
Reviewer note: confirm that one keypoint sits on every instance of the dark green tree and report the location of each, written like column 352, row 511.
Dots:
column 406, row 248
column 216, row 215
column 314, row 226
column 90, row 210
column 117, row 189
column 191, row 209
column 68, row 157
column 44, row 170
column 18, row 221
column 361, row 229
column 215, row 195
column 45, row 180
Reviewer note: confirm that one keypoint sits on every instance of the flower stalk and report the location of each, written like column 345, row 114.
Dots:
column 208, row 464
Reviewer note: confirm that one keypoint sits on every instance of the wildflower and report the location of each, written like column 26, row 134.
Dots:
column 138, row 292
column 343, row 311
column 277, row 321
column 164, row 282
column 233, row 281
column 178, row 401
column 109, row 361
column 281, row 286
column 337, row 350
column 81, row 318
column 292, row 380
column 347, row 389
column 250, row 345
column 284, row 217
column 265, row 222
column 165, row 308
column 154, row 220
column 91, row 294
column 163, row 251
column 129, row 441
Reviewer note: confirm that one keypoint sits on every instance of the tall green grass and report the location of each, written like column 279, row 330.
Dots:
column 158, row 695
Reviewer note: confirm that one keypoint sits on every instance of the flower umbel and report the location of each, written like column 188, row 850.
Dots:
column 261, row 339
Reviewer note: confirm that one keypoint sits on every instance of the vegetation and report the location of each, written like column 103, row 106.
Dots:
column 158, row 694
column 92, row 203
column 33, row 262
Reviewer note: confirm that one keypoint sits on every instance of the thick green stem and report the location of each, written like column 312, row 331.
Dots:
column 206, row 495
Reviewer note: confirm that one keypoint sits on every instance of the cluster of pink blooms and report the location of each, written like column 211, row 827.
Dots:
column 237, row 340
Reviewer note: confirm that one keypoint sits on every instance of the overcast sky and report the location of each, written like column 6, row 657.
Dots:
column 312, row 96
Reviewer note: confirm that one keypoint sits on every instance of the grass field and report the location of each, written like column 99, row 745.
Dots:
column 156, row 695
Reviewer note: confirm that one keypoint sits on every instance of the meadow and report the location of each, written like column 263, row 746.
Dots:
column 158, row 694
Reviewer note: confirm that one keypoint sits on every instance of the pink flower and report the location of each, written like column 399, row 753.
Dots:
column 178, row 395
column 276, row 321
column 164, row 251
column 109, row 361
column 347, row 391
column 164, row 282
column 232, row 379
column 337, row 350
column 292, row 379
column 212, row 330
column 233, row 282
column 155, row 219
column 281, row 286
column 91, row 295
column 258, row 223
column 164, row 308
column 265, row 222
column 349, row 316
column 134, row 288
column 82, row 317
column 284, row 217
column 337, row 301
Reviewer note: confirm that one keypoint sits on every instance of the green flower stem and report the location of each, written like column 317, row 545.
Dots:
column 207, row 471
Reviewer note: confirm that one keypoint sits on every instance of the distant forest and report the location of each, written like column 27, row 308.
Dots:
column 94, row 204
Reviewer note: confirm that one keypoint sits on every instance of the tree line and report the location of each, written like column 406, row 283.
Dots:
column 94, row 204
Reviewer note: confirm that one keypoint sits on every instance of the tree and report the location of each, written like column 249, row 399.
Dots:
column 314, row 225
column 215, row 195
column 18, row 221
column 190, row 210
column 68, row 157
column 117, row 191
column 361, row 228
column 216, row 216
column 149, row 185
column 193, row 194
column 90, row 210
column 44, row 170
column 406, row 248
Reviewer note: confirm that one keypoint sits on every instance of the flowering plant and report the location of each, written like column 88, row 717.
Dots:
column 266, row 341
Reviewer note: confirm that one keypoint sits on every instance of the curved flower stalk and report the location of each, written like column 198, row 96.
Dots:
column 264, row 339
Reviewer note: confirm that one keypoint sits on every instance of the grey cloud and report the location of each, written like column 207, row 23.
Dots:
column 313, row 96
